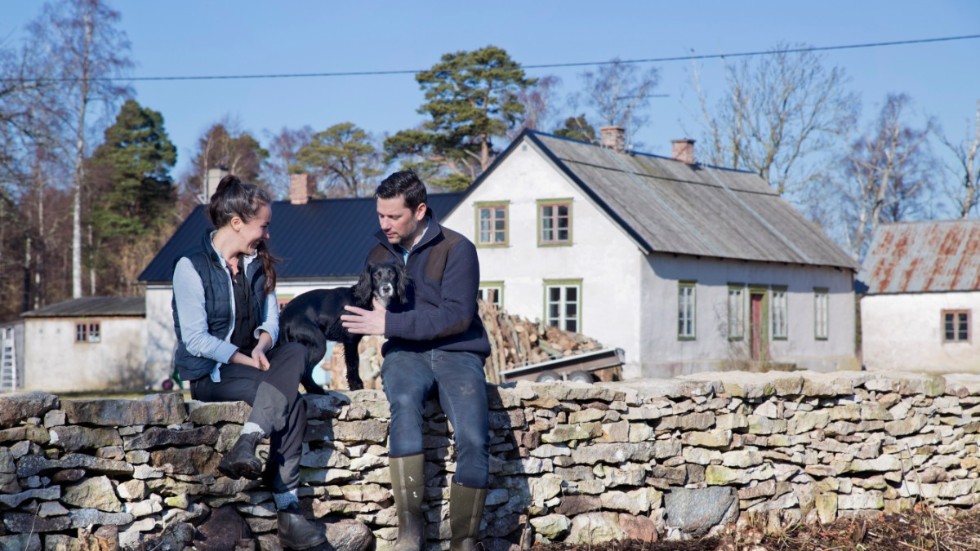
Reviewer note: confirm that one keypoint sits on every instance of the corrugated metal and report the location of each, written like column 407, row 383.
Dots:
column 697, row 210
column 324, row 238
column 101, row 307
column 924, row 257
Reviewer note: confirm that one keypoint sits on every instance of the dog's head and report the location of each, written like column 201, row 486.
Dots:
column 388, row 282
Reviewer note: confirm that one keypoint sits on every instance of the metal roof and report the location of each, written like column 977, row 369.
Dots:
column 923, row 257
column 101, row 307
column 669, row 206
column 325, row 238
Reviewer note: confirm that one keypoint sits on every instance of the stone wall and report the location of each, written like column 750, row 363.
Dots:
column 569, row 462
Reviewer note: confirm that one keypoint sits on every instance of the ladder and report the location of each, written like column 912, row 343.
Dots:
column 8, row 360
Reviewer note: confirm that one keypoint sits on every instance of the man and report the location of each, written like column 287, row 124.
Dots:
column 435, row 344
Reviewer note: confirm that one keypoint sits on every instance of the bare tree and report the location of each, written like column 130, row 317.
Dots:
column 887, row 174
column 539, row 108
column 619, row 92
column 284, row 146
column 78, row 51
column 777, row 112
column 966, row 195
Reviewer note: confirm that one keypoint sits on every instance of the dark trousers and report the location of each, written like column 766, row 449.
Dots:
column 277, row 406
column 409, row 378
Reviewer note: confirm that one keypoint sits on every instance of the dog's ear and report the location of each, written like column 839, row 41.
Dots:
column 363, row 289
column 403, row 283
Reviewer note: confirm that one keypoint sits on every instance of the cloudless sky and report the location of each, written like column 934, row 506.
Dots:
column 235, row 37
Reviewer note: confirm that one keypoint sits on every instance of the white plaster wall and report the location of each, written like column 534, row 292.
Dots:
column 905, row 333
column 602, row 256
column 664, row 355
column 53, row 361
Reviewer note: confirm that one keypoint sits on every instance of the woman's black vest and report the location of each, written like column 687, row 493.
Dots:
column 217, row 304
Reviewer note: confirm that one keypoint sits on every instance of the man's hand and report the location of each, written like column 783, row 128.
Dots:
column 365, row 322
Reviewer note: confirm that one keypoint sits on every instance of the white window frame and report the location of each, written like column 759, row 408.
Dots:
column 494, row 288
column 562, row 319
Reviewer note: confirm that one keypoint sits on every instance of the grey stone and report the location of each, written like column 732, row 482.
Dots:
column 155, row 437
column 14, row 408
column 595, row 529
column 74, row 438
column 93, row 493
column 156, row 409
column 695, row 511
column 14, row 501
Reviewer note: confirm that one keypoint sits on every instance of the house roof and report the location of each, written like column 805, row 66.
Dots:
column 325, row 238
column 668, row 206
column 102, row 307
column 923, row 257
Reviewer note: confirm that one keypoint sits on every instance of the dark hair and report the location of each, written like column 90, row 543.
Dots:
column 407, row 184
column 236, row 198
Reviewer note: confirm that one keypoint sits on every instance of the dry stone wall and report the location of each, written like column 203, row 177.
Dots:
column 569, row 462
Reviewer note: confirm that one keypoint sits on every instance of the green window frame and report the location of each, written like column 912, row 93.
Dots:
column 779, row 312
column 563, row 304
column 492, row 227
column 554, row 222
column 736, row 311
column 491, row 291
column 821, row 313
column 687, row 310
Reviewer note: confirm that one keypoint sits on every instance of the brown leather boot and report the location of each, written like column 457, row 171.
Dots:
column 465, row 513
column 295, row 532
column 408, row 487
column 240, row 461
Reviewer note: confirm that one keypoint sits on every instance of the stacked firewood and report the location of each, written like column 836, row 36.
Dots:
column 514, row 342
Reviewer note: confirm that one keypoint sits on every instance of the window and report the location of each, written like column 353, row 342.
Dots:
column 555, row 222
column 491, row 292
column 563, row 302
column 736, row 311
column 956, row 325
column 821, row 307
column 685, row 310
column 779, row 325
column 491, row 220
column 88, row 331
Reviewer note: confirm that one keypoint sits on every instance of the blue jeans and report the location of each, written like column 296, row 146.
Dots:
column 409, row 378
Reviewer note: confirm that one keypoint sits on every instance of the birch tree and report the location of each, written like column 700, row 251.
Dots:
column 966, row 193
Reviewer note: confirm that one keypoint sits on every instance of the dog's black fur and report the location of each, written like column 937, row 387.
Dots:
column 313, row 318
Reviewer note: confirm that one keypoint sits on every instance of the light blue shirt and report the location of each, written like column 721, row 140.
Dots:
column 189, row 299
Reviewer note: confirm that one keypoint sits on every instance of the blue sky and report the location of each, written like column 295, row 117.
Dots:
column 224, row 37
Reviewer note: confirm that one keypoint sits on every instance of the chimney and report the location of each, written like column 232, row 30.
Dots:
column 683, row 150
column 211, row 179
column 613, row 137
column 301, row 188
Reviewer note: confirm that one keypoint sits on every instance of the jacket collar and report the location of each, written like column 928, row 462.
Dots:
column 432, row 231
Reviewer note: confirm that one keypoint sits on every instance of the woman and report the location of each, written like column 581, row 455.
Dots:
column 227, row 320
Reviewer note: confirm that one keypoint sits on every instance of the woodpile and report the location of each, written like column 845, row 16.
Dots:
column 514, row 342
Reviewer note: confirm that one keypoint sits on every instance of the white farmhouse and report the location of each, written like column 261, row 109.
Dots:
column 89, row 343
column 686, row 267
column 923, row 285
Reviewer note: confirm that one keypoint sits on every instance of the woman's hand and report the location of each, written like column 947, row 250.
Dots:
column 258, row 353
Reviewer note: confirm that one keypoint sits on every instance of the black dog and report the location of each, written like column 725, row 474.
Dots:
column 313, row 318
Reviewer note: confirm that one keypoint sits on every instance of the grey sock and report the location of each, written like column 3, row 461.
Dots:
column 285, row 499
column 251, row 427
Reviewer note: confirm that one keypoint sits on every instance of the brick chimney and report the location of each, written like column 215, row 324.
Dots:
column 211, row 179
column 613, row 137
column 301, row 188
column 683, row 150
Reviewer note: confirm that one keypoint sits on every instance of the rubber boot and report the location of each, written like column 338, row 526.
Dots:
column 465, row 513
column 295, row 532
column 408, row 487
column 240, row 461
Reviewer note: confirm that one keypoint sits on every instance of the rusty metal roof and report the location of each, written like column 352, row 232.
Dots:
column 100, row 307
column 670, row 206
column 923, row 257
